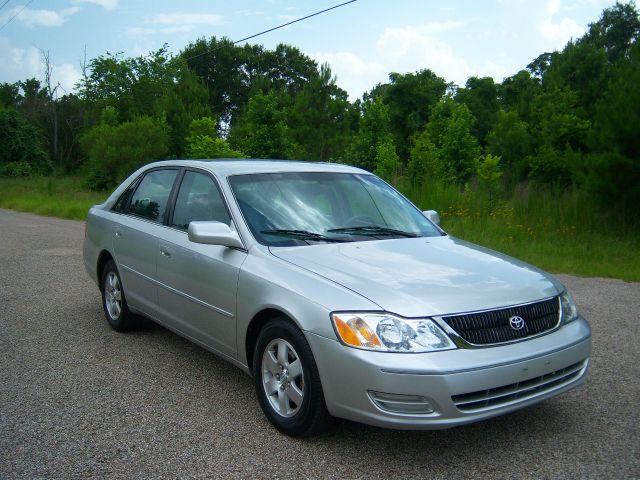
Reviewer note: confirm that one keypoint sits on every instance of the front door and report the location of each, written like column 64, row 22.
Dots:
column 198, row 283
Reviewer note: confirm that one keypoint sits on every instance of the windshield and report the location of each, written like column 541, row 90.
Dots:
column 300, row 208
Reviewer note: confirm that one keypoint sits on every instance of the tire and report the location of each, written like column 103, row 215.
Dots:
column 287, row 380
column 114, row 301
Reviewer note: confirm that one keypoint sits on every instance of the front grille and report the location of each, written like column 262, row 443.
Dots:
column 494, row 397
column 493, row 326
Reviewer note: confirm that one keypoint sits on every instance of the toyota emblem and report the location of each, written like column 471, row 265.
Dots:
column 516, row 322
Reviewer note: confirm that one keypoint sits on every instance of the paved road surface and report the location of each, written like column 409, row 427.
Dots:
column 78, row 400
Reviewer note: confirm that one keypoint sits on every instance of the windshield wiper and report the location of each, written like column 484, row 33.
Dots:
column 301, row 235
column 373, row 230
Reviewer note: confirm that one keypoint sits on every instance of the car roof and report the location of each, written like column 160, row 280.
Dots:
column 235, row 166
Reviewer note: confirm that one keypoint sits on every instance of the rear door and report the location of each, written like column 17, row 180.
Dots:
column 135, row 237
column 198, row 283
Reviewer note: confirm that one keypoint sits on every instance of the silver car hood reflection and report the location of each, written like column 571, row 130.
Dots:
column 424, row 276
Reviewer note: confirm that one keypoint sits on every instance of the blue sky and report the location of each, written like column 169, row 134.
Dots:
column 362, row 41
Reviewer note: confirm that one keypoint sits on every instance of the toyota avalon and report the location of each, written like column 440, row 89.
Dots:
column 334, row 292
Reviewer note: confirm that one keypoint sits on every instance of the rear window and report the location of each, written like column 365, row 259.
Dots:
column 151, row 197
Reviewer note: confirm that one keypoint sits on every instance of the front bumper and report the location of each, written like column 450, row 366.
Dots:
column 485, row 382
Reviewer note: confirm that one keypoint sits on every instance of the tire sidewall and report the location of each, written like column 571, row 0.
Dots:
column 117, row 323
column 299, row 423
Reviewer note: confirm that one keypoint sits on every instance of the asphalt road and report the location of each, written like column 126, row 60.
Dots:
column 78, row 400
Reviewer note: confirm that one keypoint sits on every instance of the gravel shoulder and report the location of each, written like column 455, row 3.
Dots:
column 78, row 400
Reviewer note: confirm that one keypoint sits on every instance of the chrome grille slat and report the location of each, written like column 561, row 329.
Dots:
column 483, row 399
column 492, row 326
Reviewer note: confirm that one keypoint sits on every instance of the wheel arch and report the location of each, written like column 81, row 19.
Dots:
column 258, row 321
column 103, row 258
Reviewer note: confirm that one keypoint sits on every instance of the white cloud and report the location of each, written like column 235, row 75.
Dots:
column 407, row 49
column 23, row 63
column 20, row 62
column 181, row 18
column 39, row 18
column 67, row 75
column 558, row 34
column 106, row 4
column 355, row 75
column 441, row 27
column 176, row 22
column 249, row 13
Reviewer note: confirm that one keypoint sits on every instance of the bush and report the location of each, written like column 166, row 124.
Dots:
column 203, row 141
column 490, row 175
column 115, row 151
column 16, row 169
column 21, row 153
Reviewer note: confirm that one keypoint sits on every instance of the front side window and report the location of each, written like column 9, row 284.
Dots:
column 198, row 200
column 298, row 208
column 152, row 195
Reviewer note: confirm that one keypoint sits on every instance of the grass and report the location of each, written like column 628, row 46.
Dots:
column 63, row 197
column 556, row 231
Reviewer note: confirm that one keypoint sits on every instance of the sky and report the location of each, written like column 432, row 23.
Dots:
column 363, row 41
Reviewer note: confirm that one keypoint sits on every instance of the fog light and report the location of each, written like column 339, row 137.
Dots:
column 397, row 403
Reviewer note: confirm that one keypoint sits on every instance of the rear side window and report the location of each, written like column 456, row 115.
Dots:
column 121, row 204
column 198, row 199
column 152, row 195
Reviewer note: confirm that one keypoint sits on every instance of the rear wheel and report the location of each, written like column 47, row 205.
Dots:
column 287, row 380
column 114, row 301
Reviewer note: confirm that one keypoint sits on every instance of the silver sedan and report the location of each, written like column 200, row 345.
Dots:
column 334, row 292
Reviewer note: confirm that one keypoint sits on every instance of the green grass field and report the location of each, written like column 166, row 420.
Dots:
column 559, row 232
column 63, row 197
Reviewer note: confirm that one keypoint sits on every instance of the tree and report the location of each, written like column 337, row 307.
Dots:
column 612, row 171
column 616, row 31
column 490, row 174
column 409, row 98
column 582, row 68
column 21, row 153
column 263, row 132
column 460, row 150
column 203, row 141
column 10, row 94
column 424, row 161
column 320, row 118
column 115, row 151
column 218, row 62
column 518, row 92
column 480, row 95
column 373, row 130
column 386, row 160
column 156, row 85
column 450, row 131
column 510, row 141
column 556, row 121
column 234, row 74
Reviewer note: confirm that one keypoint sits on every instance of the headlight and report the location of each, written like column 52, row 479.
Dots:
column 569, row 309
column 388, row 333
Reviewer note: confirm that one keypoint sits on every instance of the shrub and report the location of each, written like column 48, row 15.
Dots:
column 115, row 151
column 21, row 153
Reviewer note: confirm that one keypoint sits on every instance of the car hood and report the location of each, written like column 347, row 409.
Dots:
column 425, row 276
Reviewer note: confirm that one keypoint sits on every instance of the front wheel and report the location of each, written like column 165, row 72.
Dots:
column 287, row 380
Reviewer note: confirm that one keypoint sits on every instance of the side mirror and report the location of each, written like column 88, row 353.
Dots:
column 432, row 215
column 213, row 233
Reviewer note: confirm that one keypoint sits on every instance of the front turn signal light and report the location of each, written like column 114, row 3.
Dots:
column 355, row 332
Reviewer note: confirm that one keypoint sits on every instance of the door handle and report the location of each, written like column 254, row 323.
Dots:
column 164, row 253
column 118, row 234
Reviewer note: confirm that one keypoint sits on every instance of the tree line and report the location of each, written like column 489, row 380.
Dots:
column 567, row 120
